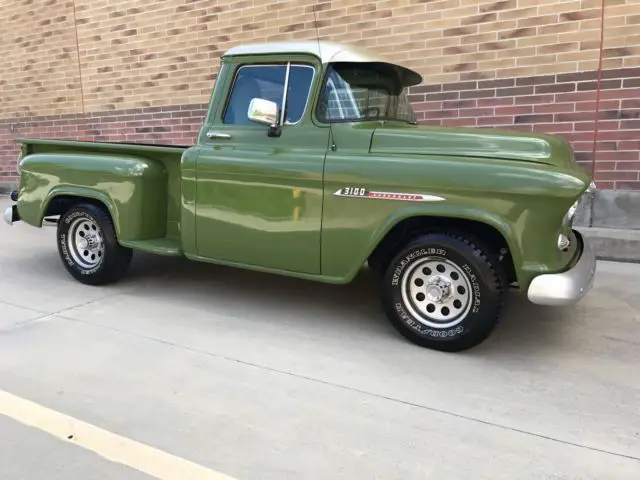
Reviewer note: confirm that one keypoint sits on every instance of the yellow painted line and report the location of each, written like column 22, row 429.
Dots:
column 111, row 446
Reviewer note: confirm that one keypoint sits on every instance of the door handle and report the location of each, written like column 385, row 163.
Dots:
column 224, row 136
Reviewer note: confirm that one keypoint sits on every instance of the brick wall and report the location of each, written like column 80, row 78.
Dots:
column 143, row 70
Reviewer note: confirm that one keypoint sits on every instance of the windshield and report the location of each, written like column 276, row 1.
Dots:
column 363, row 91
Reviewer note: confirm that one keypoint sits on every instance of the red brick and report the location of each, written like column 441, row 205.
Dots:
column 629, row 93
column 421, row 107
column 553, row 127
column 475, row 112
column 534, row 99
column 460, row 122
column 591, row 105
column 633, row 124
column 554, row 108
column 504, row 120
column 520, row 110
column 630, row 104
column 579, row 136
column 468, row 103
column 618, row 135
column 441, row 114
column 624, row 185
column 623, row 156
column 629, row 145
column 576, row 97
column 628, row 166
column 616, row 175
column 574, row 117
column 602, row 126
column 495, row 102
column 602, row 165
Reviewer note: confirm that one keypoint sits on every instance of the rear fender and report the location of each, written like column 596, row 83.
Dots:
column 133, row 189
column 79, row 194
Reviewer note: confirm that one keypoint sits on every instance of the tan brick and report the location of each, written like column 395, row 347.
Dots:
column 567, row 67
column 535, row 61
column 538, row 20
column 135, row 52
column 519, row 13
column 560, row 7
column 497, row 64
column 627, row 61
column 537, row 40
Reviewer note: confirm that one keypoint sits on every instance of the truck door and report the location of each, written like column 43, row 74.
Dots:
column 259, row 198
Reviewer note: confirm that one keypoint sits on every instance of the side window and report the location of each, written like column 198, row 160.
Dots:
column 300, row 79
column 254, row 81
column 267, row 82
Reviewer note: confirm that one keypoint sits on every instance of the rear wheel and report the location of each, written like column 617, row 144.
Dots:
column 88, row 245
column 442, row 291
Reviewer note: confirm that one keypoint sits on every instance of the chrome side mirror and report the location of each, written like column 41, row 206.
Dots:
column 263, row 111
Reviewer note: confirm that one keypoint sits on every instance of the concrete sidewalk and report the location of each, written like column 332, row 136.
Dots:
column 265, row 377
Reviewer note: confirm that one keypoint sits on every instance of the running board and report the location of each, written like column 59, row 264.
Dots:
column 50, row 222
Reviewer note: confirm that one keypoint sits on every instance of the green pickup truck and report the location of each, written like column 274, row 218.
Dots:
column 310, row 163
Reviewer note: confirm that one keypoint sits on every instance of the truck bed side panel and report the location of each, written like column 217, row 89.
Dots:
column 140, row 187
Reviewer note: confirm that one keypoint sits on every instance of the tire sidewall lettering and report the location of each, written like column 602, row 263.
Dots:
column 473, row 275
column 423, row 329
column 410, row 258
column 62, row 239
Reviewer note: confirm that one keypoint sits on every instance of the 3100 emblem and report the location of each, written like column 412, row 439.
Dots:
column 361, row 192
column 354, row 191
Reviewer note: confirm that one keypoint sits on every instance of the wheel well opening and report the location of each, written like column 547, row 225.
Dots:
column 61, row 204
column 409, row 228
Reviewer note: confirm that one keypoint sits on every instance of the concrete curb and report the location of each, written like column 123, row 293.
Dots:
column 7, row 188
column 618, row 245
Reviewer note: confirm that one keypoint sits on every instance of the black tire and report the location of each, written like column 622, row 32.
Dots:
column 97, row 264
column 430, row 318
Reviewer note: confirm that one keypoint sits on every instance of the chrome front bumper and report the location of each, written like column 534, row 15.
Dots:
column 567, row 287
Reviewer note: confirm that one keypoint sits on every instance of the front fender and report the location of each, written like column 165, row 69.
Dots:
column 449, row 211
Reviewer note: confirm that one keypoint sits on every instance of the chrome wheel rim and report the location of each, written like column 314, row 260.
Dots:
column 85, row 243
column 437, row 292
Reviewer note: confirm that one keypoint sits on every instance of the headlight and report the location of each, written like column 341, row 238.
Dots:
column 573, row 209
column 571, row 213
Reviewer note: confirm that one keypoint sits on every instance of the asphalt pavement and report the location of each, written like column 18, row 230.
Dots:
column 256, row 376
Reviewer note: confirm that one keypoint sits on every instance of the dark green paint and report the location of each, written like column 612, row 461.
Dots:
column 268, row 204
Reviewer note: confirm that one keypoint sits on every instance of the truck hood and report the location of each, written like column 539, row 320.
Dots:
column 471, row 142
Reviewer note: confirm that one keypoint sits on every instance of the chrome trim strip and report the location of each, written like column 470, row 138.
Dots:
column 285, row 93
column 357, row 192
column 224, row 136
column 568, row 287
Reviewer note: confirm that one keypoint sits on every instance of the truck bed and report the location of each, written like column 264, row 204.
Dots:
column 141, row 182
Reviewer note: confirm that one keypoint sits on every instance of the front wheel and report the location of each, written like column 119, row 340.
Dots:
column 88, row 245
column 443, row 292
